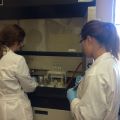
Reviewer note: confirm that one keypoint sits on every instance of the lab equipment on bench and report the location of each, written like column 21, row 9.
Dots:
column 49, row 78
column 57, row 79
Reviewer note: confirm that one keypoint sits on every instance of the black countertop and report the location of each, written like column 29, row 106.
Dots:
column 46, row 97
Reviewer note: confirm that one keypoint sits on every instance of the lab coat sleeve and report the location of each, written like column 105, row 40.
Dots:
column 24, row 78
column 92, row 105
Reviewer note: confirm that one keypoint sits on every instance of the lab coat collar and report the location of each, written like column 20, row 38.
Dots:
column 103, row 57
column 5, row 50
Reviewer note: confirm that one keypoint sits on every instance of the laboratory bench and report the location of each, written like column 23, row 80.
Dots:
column 46, row 97
column 51, row 97
column 50, row 103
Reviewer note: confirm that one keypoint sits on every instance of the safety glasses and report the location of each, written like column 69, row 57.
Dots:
column 81, row 40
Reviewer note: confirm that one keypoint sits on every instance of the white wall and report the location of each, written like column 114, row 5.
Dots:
column 105, row 10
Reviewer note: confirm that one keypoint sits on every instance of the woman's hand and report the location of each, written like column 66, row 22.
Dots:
column 71, row 94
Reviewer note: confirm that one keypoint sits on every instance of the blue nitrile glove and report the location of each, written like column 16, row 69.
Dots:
column 77, row 81
column 71, row 94
column 78, row 78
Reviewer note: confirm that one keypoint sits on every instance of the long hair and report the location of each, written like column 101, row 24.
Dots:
column 105, row 33
column 9, row 35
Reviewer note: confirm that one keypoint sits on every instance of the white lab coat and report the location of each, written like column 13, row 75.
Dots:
column 14, row 81
column 98, row 95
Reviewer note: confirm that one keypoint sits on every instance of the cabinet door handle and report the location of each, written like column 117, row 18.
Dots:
column 41, row 112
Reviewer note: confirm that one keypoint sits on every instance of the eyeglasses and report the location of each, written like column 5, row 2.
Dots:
column 81, row 40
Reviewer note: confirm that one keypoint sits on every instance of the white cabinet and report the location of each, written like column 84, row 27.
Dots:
column 51, row 114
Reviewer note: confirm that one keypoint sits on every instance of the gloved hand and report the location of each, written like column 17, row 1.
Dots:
column 71, row 94
column 78, row 78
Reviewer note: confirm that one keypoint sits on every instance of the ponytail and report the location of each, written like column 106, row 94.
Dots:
column 113, row 45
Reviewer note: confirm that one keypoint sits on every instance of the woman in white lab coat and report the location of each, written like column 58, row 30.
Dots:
column 15, row 79
column 98, row 94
